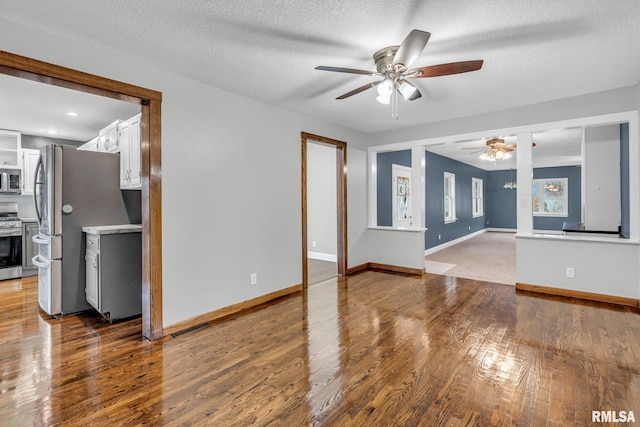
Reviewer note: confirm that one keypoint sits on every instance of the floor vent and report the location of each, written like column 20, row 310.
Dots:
column 191, row 329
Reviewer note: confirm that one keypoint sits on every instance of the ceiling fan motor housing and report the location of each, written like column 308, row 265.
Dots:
column 384, row 59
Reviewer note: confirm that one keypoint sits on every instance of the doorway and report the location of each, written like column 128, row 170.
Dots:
column 321, row 146
column 150, row 132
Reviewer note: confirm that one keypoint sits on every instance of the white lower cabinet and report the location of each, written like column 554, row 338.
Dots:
column 113, row 265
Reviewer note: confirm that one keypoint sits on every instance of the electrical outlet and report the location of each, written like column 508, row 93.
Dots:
column 254, row 279
column 439, row 237
column 571, row 272
column 469, row 228
column 313, row 244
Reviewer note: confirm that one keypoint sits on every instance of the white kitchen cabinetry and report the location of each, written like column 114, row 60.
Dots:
column 10, row 144
column 29, row 161
column 129, row 141
column 113, row 263
column 91, row 145
column 108, row 140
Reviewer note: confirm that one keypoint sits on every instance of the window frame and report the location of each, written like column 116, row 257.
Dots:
column 477, row 183
column 451, row 196
column 565, row 197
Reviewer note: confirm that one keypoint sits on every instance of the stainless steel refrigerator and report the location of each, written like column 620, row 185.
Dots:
column 72, row 188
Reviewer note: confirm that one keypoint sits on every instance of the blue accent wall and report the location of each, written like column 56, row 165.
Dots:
column 435, row 167
column 384, row 182
column 624, row 180
column 573, row 173
column 501, row 206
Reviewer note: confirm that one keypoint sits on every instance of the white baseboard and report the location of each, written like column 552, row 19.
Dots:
column 453, row 242
column 322, row 257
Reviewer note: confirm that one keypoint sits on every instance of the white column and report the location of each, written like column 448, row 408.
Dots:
column 417, row 187
column 373, row 189
column 524, row 165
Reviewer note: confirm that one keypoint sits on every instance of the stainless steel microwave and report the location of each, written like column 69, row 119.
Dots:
column 10, row 181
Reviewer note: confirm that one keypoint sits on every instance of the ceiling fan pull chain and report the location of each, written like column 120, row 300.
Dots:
column 394, row 104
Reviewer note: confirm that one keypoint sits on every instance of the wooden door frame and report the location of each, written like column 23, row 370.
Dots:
column 341, row 196
column 151, row 166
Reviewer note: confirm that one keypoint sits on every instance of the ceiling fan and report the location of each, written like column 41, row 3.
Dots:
column 495, row 149
column 393, row 62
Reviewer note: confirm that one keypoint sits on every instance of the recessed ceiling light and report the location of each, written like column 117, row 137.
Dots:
column 72, row 114
column 52, row 132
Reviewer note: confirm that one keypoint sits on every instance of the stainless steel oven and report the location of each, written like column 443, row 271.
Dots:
column 10, row 241
column 10, row 181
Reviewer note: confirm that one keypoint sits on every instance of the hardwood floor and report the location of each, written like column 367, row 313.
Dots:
column 375, row 349
column 321, row 270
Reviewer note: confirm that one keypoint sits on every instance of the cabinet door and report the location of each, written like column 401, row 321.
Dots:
column 134, row 152
column 92, row 289
column 10, row 148
column 123, row 138
column 29, row 161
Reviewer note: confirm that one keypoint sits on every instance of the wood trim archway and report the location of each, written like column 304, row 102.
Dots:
column 150, row 131
column 341, row 193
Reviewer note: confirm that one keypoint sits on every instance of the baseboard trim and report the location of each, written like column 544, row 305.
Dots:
column 453, row 242
column 197, row 321
column 568, row 293
column 385, row 267
column 357, row 269
column 322, row 256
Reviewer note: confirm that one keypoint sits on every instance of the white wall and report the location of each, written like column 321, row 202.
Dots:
column 608, row 268
column 593, row 104
column 230, row 175
column 601, row 178
column 322, row 224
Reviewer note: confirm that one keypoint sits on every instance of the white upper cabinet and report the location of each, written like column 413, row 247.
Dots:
column 91, row 145
column 10, row 144
column 108, row 139
column 129, row 142
column 29, row 162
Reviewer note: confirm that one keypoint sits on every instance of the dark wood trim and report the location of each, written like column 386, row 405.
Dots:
column 396, row 269
column 373, row 266
column 609, row 299
column 224, row 312
column 358, row 269
column 341, row 202
column 151, row 166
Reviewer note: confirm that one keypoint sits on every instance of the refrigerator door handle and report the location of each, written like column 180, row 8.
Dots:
column 38, row 263
column 39, row 240
column 35, row 192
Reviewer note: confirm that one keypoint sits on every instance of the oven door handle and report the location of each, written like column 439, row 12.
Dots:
column 36, row 260
column 39, row 240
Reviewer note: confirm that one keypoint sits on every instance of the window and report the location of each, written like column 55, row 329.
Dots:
column 449, row 197
column 477, row 203
column 550, row 197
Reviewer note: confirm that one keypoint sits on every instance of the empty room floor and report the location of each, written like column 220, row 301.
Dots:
column 490, row 257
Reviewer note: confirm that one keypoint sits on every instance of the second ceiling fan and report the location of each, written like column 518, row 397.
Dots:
column 392, row 64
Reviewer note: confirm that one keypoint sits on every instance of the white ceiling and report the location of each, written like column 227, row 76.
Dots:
column 40, row 109
column 534, row 51
column 554, row 147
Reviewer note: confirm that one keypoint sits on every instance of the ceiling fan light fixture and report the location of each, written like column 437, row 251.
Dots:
column 382, row 99
column 406, row 89
column 385, row 88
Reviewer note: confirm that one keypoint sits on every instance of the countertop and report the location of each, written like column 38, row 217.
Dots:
column 113, row 229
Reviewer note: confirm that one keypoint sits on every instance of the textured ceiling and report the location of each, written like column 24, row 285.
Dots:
column 534, row 51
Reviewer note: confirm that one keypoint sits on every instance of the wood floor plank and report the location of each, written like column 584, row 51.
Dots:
column 374, row 349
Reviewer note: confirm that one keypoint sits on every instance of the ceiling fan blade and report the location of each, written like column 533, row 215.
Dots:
column 474, row 148
column 358, row 90
column 445, row 69
column 410, row 49
column 346, row 70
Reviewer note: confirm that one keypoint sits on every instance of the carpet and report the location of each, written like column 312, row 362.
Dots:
column 490, row 257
